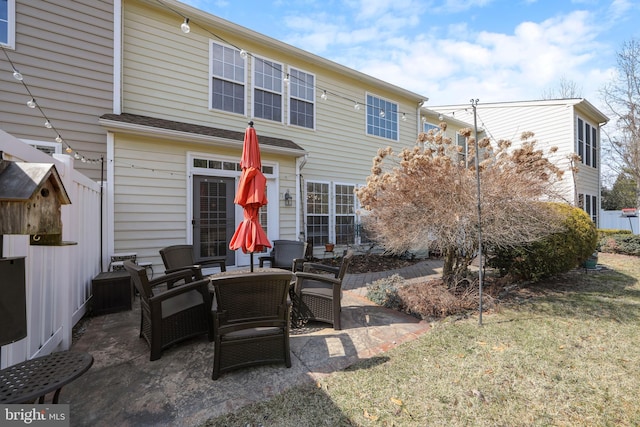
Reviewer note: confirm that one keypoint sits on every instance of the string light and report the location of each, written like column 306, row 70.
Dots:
column 382, row 113
column 404, row 117
column 32, row 103
column 185, row 26
column 244, row 54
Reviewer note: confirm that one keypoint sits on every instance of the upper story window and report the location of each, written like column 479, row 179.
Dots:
column 7, row 23
column 228, row 78
column 267, row 90
column 302, row 98
column 382, row 118
column 426, row 127
column 587, row 143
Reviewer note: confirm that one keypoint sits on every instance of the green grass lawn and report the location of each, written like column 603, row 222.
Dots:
column 561, row 353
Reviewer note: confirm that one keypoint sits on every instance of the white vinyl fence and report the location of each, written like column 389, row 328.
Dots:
column 58, row 278
column 615, row 220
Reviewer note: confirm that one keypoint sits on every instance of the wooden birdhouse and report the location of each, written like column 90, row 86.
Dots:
column 31, row 196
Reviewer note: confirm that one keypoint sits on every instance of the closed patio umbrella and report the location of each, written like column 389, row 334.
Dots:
column 251, row 195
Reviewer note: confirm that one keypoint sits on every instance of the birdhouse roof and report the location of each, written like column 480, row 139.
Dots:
column 19, row 181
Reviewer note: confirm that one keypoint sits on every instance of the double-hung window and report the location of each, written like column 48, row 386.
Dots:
column 228, row 78
column 426, row 127
column 382, row 118
column 345, row 214
column 331, row 213
column 587, row 143
column 318, row 212
column 302, row 99
column 267, row 90
column 589, row 204
column 7, row 23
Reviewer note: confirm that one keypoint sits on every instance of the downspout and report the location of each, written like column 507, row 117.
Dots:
column 300, row 225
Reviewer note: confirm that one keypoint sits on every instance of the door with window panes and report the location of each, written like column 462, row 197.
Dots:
column 213, row 217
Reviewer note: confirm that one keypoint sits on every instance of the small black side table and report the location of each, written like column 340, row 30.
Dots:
column 31, row 379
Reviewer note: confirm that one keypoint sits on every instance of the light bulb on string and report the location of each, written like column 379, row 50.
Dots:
column 286, row 79
column 243, row 53
column 404, row 117
column 76, row 156
column 58, row 139
column 356, row 107
column 17, row 75
column 382, row 114
column 185, row 26
column 47, row 124
column 31, row 103
column 324, row 95
column 68, row 149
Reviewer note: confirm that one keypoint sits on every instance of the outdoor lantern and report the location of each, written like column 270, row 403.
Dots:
column 287, row 198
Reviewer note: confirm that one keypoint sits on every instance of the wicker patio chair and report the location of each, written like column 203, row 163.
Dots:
column 172, row 315
column 318, row 295
column 287, row 254
column 179, row 257
column 251, row 321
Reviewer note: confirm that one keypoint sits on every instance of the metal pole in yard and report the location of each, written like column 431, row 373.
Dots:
column 474, row 104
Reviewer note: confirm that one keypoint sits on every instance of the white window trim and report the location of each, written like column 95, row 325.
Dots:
column 245, row 82
column 57, row 146
column 333, row 208
column 11, row 27
column 273, row 183
column 282, row 92
column 366, row 131
column 583, row 143
column 330, row 213
column 314, row 102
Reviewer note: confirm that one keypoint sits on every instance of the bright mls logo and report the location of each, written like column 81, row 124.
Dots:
column 36, row 415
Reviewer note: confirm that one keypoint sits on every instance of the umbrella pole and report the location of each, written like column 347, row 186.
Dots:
column 251, row 256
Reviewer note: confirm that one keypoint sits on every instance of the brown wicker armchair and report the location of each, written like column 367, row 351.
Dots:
column 251, row 321
column 180, row 257
column 172, row 315
column 288, row 254
column 318, row 296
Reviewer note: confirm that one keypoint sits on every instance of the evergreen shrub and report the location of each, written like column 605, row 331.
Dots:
column 556, row 253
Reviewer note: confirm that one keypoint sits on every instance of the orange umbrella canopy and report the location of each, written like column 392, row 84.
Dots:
column 251, row 195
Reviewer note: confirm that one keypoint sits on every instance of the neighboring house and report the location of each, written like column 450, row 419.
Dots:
column 572, row 125
column 64, row 52
column 175, row 141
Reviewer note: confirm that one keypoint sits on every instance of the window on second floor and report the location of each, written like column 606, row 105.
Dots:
column 267, row 90
column 587, row 143
column 228, row 78
column 302, row 99
column 426, row 127
column 7, row 23
column 382, row 118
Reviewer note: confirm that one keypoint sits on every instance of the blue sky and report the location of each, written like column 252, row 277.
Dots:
column 454, row 50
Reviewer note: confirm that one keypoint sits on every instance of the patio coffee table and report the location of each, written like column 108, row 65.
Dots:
column 31, row 379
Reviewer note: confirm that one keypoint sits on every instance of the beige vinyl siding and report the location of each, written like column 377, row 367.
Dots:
column 65, row 53
column 151, row 199
column 166, row 74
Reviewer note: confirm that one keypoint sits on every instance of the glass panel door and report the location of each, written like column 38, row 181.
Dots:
column 213, row 218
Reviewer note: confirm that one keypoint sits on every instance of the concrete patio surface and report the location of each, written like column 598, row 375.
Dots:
column 123, row 388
